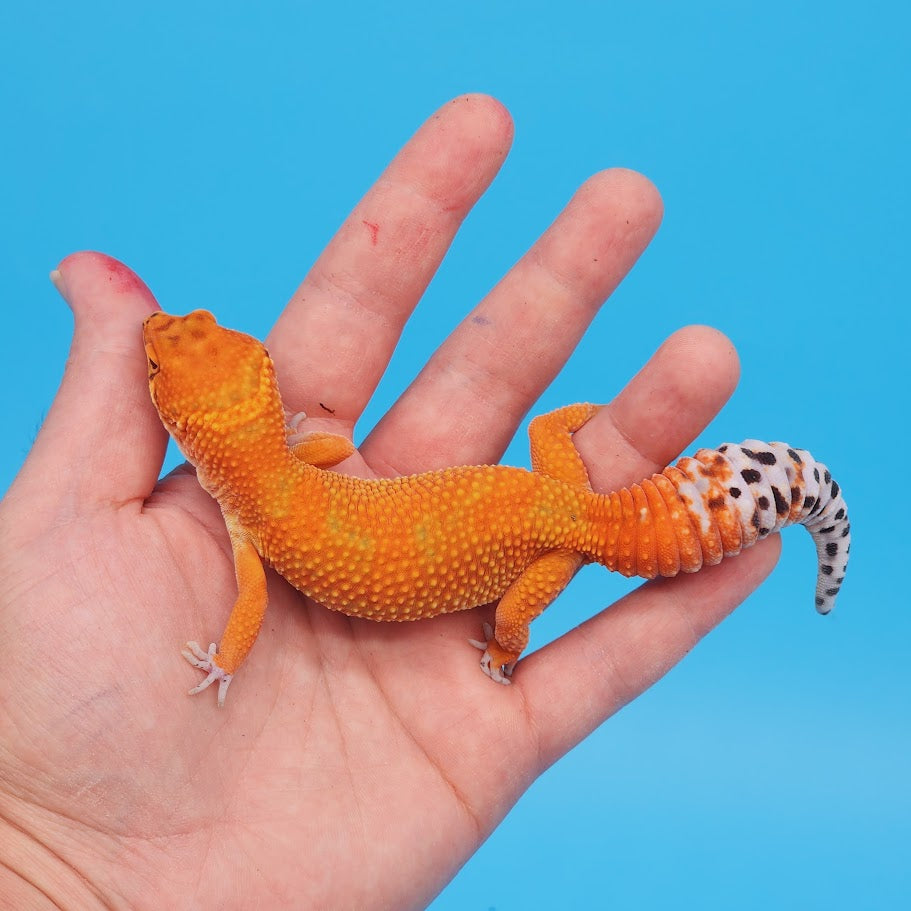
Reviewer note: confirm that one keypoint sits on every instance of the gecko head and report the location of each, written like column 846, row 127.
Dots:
column 197, row 367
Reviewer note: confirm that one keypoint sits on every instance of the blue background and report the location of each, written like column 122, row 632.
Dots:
column 215, row 148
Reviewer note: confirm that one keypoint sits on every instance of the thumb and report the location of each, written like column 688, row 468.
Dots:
column 102, row 441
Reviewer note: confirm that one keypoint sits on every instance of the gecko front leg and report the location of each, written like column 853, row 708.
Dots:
column 246, row 616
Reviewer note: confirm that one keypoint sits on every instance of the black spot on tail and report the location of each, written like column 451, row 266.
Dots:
column 764, row 458
column 782, row 506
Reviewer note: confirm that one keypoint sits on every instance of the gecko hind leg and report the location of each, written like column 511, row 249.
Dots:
column 553, row 451
column 524, row 600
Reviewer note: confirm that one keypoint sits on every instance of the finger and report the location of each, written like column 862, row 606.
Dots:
column 101, row 441
column 621, row 652
column 467, row 402
column 345, row 319
column 661, row 410
column 574, row 684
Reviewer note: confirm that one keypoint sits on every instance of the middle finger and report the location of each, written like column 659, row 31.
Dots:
column 465, row 405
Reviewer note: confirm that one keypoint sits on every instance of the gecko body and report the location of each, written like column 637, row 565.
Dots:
column 427, row 544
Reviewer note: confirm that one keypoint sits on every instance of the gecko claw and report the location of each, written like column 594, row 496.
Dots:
column 498, row 673
column 206, row 661
column 487, row 632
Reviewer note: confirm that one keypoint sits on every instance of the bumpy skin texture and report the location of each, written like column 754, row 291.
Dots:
column 428, row 544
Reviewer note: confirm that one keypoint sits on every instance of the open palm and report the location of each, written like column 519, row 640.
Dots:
column 356, row 765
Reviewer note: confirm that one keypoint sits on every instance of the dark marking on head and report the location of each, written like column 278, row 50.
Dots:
column 751, row 475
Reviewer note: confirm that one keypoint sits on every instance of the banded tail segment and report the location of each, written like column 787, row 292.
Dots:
column 717, row 503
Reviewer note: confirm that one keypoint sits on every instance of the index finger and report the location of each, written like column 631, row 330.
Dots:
column 345, row 319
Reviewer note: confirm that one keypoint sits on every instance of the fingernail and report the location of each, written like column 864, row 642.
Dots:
column 59, row 284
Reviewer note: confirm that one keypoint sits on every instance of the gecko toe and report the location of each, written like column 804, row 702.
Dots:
column 206, row 661
column 494, row 671
column 498, row 669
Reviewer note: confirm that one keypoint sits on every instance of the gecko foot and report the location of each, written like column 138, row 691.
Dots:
column 495, row 662
column 293, row 424
column 206, row 661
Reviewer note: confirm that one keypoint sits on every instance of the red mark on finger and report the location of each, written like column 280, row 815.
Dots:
column 374, row 230
column 124, row 278
column 118, row 276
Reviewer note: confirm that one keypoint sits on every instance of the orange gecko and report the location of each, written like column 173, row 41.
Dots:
column 441, row 541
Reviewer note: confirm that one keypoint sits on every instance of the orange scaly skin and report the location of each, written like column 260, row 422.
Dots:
column 428, row 544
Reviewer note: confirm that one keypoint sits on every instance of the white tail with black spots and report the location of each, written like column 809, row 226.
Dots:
column 770, row 485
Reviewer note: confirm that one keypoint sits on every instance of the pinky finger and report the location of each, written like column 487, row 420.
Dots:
column 583, row 678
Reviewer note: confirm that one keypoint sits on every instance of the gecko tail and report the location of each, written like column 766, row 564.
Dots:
column 831, row 531
column 772, row 485
column 717, row 503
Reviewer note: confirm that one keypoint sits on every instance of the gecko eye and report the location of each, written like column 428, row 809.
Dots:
column 153, row 368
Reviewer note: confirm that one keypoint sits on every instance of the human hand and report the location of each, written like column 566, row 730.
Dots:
column 357, row 765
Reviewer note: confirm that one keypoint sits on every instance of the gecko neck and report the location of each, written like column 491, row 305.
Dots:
column 236, row 460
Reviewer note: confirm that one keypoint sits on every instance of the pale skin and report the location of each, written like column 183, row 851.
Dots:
column 357, row 765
